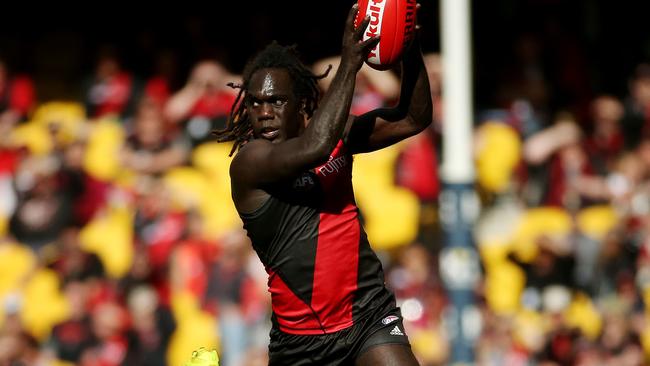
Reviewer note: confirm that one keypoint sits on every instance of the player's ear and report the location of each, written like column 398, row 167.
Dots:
column 303, row 107
column 303, row 112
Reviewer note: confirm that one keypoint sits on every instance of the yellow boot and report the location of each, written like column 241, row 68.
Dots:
column 203, row 357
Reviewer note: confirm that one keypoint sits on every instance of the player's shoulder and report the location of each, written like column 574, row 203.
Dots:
column 252, row 148
column 248, row 153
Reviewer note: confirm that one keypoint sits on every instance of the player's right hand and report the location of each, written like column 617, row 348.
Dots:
column 354, row 49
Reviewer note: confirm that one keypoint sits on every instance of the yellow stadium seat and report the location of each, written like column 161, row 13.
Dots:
column 16, row 262
column 504, row 283
column 193, row 188
column 493, row 254
column 529, row 329
column 34, row 136
column 195, row 329
column 391, row 213
column 4, row 225
column 212, row 158
column 497, row 154
column 505, row 280
column 68, row 117
column 582, row 314
column 110, row 236
column 43, row 304
column 102, row 159
column 188, row 186
column 62, row 363
column 553, row 222
column 429, row 345
column 597, row 221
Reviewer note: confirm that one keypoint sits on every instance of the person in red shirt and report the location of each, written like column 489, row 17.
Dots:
column 111, row 91
column 204, row 102
column 17, row 95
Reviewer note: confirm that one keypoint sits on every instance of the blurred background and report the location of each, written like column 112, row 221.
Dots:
column 119, row 244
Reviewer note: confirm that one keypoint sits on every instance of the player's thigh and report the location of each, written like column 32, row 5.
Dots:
column 387, row 355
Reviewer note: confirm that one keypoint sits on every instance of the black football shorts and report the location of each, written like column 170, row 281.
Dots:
column 338, row 348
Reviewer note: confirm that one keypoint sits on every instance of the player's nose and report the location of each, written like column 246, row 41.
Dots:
column 266, row 111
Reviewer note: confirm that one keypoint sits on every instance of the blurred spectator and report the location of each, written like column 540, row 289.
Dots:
column 88, row 193
column 153, row 148
column 524, row 86
column 559, row 151
column 72, row 337
column 497, row 344
column 624, row 182
column 111, row 91
column 159, row 86
column 42, row 211
column 414, row 278
column 231, row 295
column 373, row 88
column 204, row 103
column 151, row 328
column 561, row 347
column 193, row 258
column 21, row 349
column 415, row 273
column 70, row 261
column 604, row 142
column 10, row 157
column 158, row 227
column 619, row 345
column 416, row 169
column 549, row 277
column 17, row 96
column 616, row 262
column 636, row 119
column 109, row 346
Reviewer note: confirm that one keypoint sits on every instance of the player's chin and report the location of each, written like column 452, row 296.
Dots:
column 270, row 134
column 271, row 139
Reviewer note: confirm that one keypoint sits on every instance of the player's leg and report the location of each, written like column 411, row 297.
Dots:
column 386, row 344
column 387, row 355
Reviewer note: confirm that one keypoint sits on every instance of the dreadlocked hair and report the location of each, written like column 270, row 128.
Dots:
column 305, row 86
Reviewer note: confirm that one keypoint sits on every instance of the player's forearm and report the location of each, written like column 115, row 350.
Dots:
column 415, row 95
column 326, row 126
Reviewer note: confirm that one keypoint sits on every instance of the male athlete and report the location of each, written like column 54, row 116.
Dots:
column 291, row 184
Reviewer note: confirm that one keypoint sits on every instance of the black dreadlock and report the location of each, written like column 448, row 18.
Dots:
column 305, row 86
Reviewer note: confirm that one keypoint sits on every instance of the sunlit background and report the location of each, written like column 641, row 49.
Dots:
column 119, row 244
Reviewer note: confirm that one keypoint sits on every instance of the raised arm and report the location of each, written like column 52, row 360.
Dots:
column 285, row 140
column 412, row 114
column 326, row 126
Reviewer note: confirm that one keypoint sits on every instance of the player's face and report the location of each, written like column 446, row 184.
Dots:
column 272, row 106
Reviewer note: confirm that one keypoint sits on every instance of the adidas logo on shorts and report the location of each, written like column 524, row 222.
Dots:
column 396, row 331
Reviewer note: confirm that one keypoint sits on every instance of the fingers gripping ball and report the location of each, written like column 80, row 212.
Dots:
column 394, row 22
column 203, row 357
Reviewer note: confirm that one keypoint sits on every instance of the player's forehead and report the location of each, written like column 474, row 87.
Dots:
column 271, row 81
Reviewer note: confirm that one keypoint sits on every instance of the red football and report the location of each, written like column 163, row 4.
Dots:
column 394, row 22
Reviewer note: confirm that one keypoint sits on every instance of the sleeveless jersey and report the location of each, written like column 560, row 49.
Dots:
column 323, row 274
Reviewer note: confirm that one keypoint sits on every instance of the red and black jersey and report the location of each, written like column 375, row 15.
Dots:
column 323, row 275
